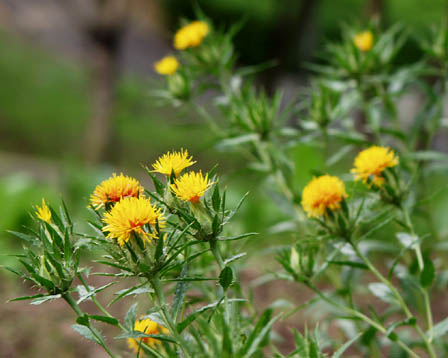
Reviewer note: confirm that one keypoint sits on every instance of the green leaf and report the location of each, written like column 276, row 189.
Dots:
column 129, row 320
column 216, row 199
column 110, row 320
column 226, row 277
column 440, row 329
column 39, row 300
column 258, row 334
column 179, row 293
column 428, row 274
column 390, row 330
column 86, row 333
column 353, row 264
column 238, row 237
column 345, row 346
column 135, row 290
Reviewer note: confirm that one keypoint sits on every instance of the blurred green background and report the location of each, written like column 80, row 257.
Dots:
column 76, row 105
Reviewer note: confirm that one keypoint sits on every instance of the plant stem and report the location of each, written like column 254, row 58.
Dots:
column 216, row 253
column 69, row 299
column 397, row 295
column 429, row 318
column 417, row 249
column 156, row 284
column 361, row 316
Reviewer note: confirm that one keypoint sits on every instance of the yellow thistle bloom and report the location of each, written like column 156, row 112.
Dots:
column 191, row 35
column 114, row 189
column 173, row 162
column 191, row 186
column 129, row 216
column 167, row 65
column 43, row 212
column 146, row 326
column 371, row 162
column 322, row 193
column 364, row 40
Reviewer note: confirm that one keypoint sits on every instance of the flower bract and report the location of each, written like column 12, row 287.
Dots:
column 323, row 193
column 191, row 35
column 114, row 189
column 371, row 162
column 191, row 186
column 146, row 326
column 173, row 162
column 167, row 65
column 129, row 216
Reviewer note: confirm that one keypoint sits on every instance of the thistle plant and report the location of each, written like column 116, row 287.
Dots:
column 341, row 223
column 358, row 236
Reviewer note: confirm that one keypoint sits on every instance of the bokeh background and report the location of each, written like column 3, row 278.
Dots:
column 75, row 105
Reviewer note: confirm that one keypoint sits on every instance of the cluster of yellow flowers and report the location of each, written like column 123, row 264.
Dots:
column 326, row 192
column 132, row 211
column 188, row 36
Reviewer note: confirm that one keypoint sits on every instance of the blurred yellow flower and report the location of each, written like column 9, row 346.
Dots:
column 129, row 216
column 371, row 162
column 191, row 35
column 146, row 326
column 43, row 212
column 364, row 41
column 322, row 193
column 173, row 162
column 191, row 186
column 114, row 189
column 167, row 65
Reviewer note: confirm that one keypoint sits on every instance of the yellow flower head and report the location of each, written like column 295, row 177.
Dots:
column 146, row 326
column 114, row 189
column 371, row 162
column 167, row 65
column 43, row 212
column 191, row 35
column 364, row 40
column 129, row 216
column 191, row 186
column 322, row 193
column 173, row 162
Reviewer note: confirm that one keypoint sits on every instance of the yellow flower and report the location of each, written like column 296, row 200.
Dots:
column 322, row 193
column 129, row 216
column 173, row 162
column 191, row 186
column 43, row 212
column 114, row 189
column 191, row 35
column 146, row 326
column 167, row 65
column 371, row 162
column 364, row 40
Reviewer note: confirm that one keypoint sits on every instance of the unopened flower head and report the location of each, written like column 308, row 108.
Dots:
column 371, row 162
column 114, row 189
column 191, row 186
column 129, row 216
column 321, row 194
column 173, row 162
column 364, row 41
column 43, row 212
column 146, row 326
column 191, row 35
column 167, row 65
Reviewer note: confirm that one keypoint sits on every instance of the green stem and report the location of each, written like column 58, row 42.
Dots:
column 429, row 318
column 69, row 299
column 397, row 295
column 361, row 316
column 216, row 253
column 156, row 284
column 418, row 251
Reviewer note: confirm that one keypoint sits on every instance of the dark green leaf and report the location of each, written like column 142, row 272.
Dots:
column 226, row 277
